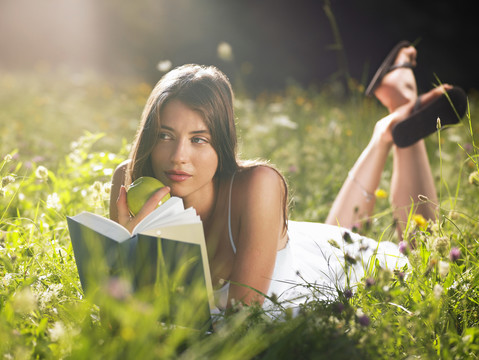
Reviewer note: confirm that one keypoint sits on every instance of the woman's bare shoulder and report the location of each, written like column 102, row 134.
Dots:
column 262, row 178
column 120, row 171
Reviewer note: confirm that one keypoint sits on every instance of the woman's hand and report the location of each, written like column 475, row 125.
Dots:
column 124, row 216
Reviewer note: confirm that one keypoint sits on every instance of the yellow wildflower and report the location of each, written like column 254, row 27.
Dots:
column 420, row 220
column 381, row 194
column 300, row 100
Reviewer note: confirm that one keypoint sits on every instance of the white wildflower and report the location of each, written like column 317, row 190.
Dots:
column 24, row 301
column 443, row 268
column 76, row 156
column 41, row 173
column 7, row 279
column 438, row 290
column 284, row 121
column 276, row 107
column 225, row 51
column 57, row 331
column 108, row 172
column 261, row 129
column 53, row 201
column 49, row 295
column 164, row 65
column 466, row 338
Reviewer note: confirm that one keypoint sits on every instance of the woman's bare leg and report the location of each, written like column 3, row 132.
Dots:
column 355, row 201
column 412, row 176
column 411, row 170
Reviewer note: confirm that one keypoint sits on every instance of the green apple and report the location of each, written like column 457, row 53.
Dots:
column 141, row 190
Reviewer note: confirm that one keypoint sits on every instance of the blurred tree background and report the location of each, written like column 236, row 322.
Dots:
column 263, row 43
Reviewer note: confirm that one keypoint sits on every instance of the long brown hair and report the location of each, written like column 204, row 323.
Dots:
column 208, row 91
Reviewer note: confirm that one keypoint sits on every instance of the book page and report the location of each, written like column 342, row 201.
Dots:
column 104, row 226
column 172, row 212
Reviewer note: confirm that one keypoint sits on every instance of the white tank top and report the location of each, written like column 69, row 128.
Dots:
column 283, row 266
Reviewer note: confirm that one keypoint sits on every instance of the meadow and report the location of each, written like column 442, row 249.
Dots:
column 63, row 133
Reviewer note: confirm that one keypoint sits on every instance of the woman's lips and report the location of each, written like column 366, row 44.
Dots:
column 177, row 176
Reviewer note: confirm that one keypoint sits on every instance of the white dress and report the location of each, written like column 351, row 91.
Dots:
column 313, row 264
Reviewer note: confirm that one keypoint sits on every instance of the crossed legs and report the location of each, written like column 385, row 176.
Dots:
column 411, row 169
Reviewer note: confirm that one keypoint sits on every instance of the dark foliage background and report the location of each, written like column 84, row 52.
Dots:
column 272, row 40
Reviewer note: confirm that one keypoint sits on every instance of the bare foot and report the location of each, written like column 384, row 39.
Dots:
column 398, row 87
column 383, row 128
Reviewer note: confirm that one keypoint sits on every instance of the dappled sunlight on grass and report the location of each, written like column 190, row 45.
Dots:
column 61, row 136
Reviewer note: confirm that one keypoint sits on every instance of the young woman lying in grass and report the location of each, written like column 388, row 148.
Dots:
column 187, row 139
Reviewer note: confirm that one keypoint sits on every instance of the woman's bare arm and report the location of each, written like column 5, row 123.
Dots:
column 258, row 205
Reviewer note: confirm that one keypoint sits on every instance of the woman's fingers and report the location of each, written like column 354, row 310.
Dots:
column 124, row 217
column 152, row 203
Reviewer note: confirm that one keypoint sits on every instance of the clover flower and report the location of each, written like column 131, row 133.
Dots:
column 370, row 282
column 441, row 245
column 7, row 180
column 454, row 254
column 348, row 293
column 403, row 247
column 339, row 307
column 41, row 173
column 443, row 268
column 474, row 178
column 364, row 320
column 53, row 201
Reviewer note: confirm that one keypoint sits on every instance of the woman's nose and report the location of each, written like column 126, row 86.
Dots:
column 180, row 152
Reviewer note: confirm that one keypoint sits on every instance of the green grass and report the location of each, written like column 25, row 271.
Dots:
column 62, row 134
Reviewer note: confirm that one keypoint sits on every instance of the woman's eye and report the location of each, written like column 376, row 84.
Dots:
column 164, row 136
column 198, row 140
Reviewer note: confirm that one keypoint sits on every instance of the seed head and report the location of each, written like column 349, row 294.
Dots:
column 474, row 178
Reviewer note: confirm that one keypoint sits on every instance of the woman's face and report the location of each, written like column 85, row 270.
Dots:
column 183, row 157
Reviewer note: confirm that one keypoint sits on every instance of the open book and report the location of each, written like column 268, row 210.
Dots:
column 164, row 257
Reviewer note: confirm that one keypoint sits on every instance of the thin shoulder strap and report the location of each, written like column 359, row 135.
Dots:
column 229, row 215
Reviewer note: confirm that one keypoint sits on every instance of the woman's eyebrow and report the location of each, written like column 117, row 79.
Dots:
column 203, row 131
column 200, row 132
